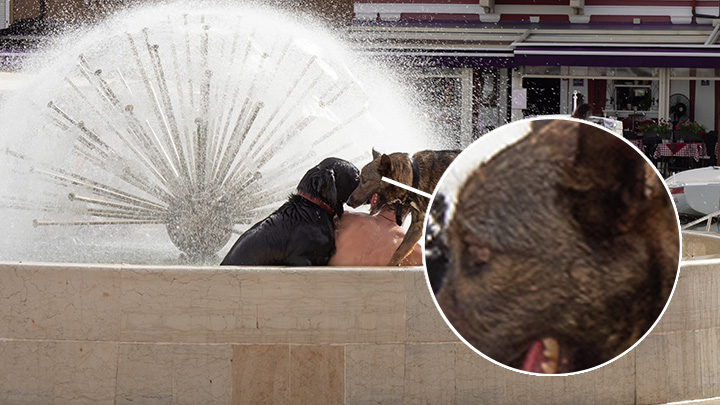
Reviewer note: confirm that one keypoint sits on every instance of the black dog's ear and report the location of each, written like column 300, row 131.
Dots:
column 324, row 184
column 375, row 154
column 385, row 166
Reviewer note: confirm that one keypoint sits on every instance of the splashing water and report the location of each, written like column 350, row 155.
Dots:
column 191, row 120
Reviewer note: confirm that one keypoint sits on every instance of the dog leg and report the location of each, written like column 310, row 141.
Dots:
column 411, row 237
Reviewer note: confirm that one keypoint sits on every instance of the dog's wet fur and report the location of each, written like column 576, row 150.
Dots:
column 436, row 250
column 300, row 232
column 570, row 235
column 397, row 166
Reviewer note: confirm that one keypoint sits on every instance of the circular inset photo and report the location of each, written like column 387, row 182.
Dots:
column 552, row 246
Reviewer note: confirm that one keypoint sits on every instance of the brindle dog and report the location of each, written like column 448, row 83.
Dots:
column 421, row 171
column 564, row 250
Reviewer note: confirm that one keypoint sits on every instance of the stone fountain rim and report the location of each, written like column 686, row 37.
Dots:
column 201, row 268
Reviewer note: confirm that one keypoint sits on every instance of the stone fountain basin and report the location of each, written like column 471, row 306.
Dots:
column 698, row 245
column 85, row 333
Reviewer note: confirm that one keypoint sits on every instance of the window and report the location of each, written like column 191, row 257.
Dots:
column 630, row 96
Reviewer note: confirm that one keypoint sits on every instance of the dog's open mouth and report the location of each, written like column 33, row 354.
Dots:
column 545, row 357
column 373, row 201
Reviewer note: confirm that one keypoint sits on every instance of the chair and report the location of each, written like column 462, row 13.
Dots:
column 710, row 140
column 676, row 164
column 685, row 136
column 650, row 141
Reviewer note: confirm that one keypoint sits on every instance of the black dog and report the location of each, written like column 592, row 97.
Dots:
column 300, row 232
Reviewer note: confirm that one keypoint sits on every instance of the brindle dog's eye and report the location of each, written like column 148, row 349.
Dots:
column 475, row 256
column 473, row 266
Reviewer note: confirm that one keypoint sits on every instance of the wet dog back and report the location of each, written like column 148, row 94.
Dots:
column 300, row 232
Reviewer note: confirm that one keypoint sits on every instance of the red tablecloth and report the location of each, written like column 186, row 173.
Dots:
column 682, row 149
column 638, row 144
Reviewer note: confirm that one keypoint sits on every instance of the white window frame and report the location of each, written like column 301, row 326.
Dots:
column 5, row 21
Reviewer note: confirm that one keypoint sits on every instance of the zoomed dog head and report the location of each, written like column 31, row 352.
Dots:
column 563, row 250
column 372, row 189
column 332, row 181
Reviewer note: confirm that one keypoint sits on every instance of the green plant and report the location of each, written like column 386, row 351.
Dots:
column 692, row 127
column 661, row 126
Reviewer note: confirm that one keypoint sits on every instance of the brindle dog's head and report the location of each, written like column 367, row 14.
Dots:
column 563, row 250
column 375, row 191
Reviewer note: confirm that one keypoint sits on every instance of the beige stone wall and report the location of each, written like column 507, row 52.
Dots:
column 180, row 335
column 699, row 245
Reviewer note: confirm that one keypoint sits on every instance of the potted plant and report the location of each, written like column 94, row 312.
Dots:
column 655, row 131
column 661, row 126
column 691, row 127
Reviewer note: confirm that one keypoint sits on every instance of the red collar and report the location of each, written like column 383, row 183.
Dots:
column 319, row 203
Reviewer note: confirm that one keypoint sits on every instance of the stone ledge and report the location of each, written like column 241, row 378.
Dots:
column 179, row 334
column 182, row 304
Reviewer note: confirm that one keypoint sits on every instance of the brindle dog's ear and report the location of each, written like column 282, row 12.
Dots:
column 324, row 184
column 375, row 154
column 385, row 166
column 607, row 182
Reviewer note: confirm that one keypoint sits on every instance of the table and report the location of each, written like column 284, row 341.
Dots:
column 694, row 150
column 638, row 143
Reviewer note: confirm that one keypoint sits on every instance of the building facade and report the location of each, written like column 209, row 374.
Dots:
column 634, row 60
column 481, row 63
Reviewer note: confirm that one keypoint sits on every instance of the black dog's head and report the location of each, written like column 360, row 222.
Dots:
column 332, row 181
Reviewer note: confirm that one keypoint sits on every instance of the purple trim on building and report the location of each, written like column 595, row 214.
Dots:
column 619, row 49
column 619, row 57
column 566, row 56
column 445, row 60
column 617, row 61
column 470, row 62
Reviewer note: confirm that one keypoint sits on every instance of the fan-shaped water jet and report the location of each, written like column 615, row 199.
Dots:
column 195, row 118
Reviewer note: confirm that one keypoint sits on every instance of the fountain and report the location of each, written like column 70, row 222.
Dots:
column 118, row 149
column 192, row 120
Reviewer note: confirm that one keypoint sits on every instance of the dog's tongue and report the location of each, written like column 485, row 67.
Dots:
column 534, row 358
column 373, row 200
column 542, row 358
